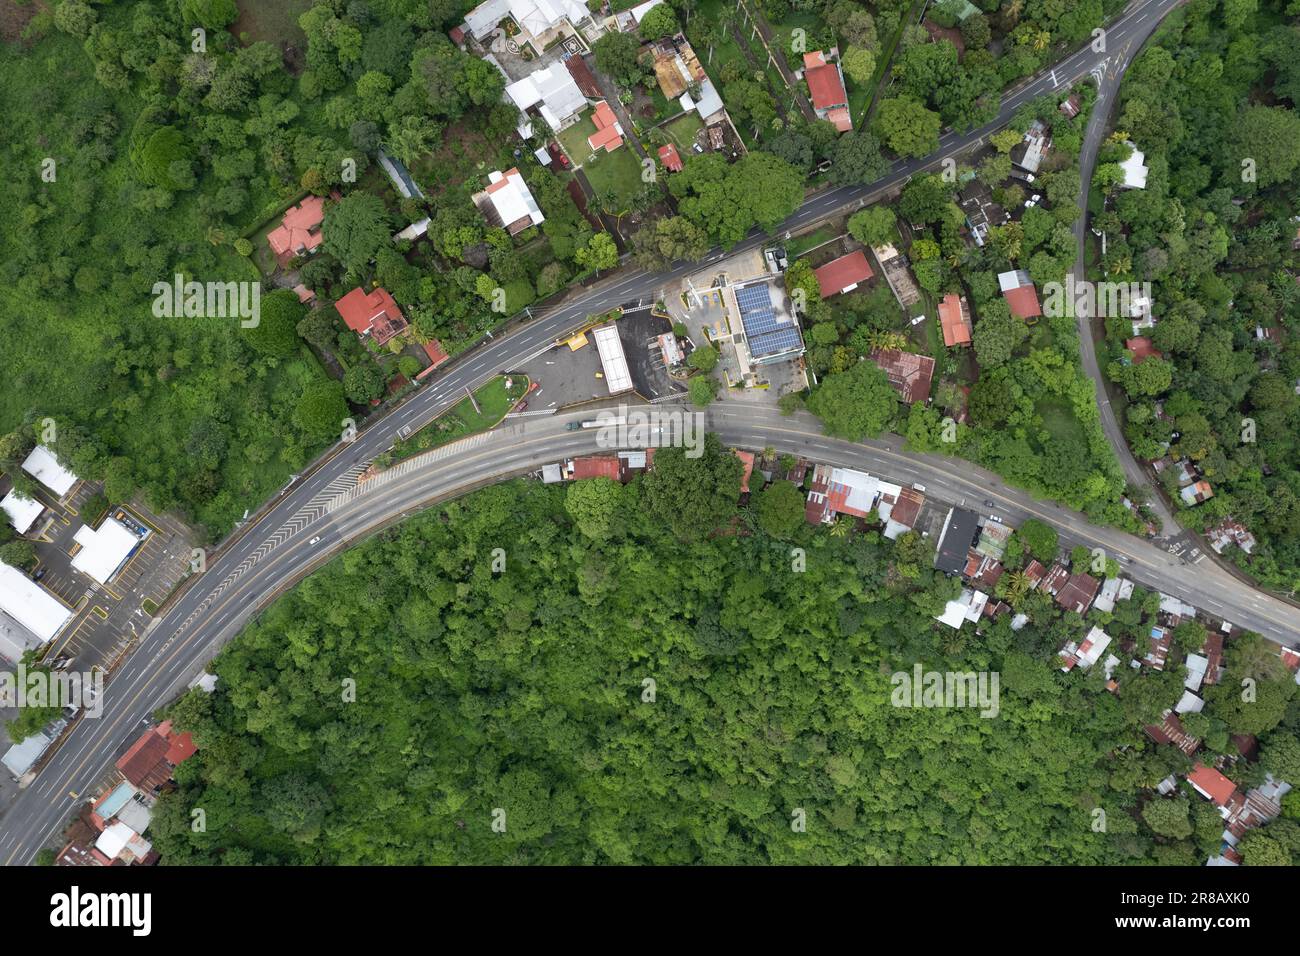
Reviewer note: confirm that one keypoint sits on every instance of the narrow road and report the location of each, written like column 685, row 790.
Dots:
column 1110, row 71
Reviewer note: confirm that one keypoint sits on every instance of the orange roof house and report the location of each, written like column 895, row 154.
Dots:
column 374, row 314
column 669, row 157
column 593, row 466
column 609, row 134
column 1212, row 785
column 843, row 274
column 299, row 232
column 954, row 316
column 826, row 89
column 1018, row 289
column 149, row 762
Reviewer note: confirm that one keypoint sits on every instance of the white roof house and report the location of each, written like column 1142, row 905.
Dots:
column 103, row 549
column 1015, row 279
column 119, row 837
column 535, row 16
column 968, row 607
column 1196, row 665
column 22, row 756
column 30, row 604
column 554, row 93
column 45, row 468
column 509, row 197
column 1135, row 171
column 1086, row 654
column 612, row 360
column 1189, row 703
column 22, row 511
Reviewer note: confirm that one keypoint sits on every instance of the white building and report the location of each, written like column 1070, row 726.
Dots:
column 508, row 203
column 554, row 93
column 45, row 468
column 1135, row 171
column 968, row 607
column 613, row 361
column 103, row 549
column 23, row 512
column 22, row 756
column 1086, row 654
column 25, row 603
column 535, row 17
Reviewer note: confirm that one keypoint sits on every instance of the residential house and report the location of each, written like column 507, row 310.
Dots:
column 1029, row 153
column 552, row 94
column 982, row 213
column 148, row 763
column 1084, row 655
column 826, row 90
column 1133, row 169
column 669, row 157
column 1229, row 532
column 954, row 317
column 968, row 607
column 1077, row 592
column 609, row 132
column 900, row 511
column 960, row 528
column 299, row 233
column 540, row 21
column 910, row 374
column 843, row 274
column 1018, row 289
column 592, row 466
column 372, row 313
column 1171, row 731
column 1196, row 493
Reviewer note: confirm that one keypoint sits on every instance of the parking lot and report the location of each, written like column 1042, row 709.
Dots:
column 107, row 616
column 569, row 377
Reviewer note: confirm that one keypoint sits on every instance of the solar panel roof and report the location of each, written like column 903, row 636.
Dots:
column 768, row 333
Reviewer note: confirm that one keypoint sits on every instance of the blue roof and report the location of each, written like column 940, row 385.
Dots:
column 115, row 801
column 766, row 333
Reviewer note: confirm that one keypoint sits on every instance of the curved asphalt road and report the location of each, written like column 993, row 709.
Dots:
column 275, row 549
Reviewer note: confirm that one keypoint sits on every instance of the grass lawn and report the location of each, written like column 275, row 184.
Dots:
column 682, row 131
column 1058, row 419
column 801, row 244
column 616, row 177
column 462, row 420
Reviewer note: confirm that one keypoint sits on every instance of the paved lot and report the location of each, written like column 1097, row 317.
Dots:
column 568, row 377
column 108, row 617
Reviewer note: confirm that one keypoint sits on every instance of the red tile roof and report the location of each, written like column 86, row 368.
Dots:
column 909, row 373
column 299, row 231
column 1212, row 783
column 375, row 313
column 825, row 87
column 596, row 466
column 180, row 747
column 1078, row 592
column 145, row 762
column 955, row 320
column 842, row 274
column 607, row 136
column 669, row 157
column 1023, row 302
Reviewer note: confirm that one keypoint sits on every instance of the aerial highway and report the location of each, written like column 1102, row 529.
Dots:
column 324, row 511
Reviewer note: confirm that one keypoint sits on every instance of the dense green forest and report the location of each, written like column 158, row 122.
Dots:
column 1212, row 102
column 519, row 680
